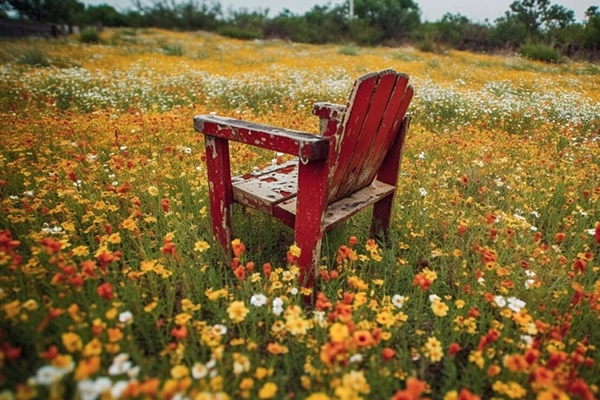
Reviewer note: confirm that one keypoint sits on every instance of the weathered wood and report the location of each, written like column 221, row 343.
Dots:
column 351, row 165
column 330, row 117
column 359, row 162
column 351, row 126
column 343, row 209
column 302, row 144
column 263, row 191
column 220, row 189
column 388, row 173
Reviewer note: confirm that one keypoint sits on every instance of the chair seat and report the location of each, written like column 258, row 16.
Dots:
column 264, row 189
column 273, row 191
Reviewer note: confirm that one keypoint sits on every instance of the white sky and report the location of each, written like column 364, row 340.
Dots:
column 432, row 10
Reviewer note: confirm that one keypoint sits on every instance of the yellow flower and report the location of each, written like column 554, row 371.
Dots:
column 318, row 396
column 439, row 308
column 93, row 348
column 182, row 318
column 72, row 342
column 511, row 389
column 433, row 349
column 476, row 357
column 115, row 238
column 187, row 305
column 295, row 250
column 151, row 306
column 111, row 313
column 247, row 384
column 261, row 373
column 385, row 318
column 268, row 391
column 237, row 311
column 179, row 372
column 459, row 304
column 153, row 190
column 201, row 246
column 81, row 251
column 338, row 332
column 129, row 224
column 215, row 294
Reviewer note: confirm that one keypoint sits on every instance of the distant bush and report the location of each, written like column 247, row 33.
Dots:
column 540, row 52
column 173, row 50
column 89, row 36
column 240, row 33
column 348, row 50
column 34, row 57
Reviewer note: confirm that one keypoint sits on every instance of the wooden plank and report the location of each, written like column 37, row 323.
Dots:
column 264, row 190
column 220, row 191
column 308, row 146
column 359, row 162
column 400, row 114
column 388, row 128
column 358, row 105
column 343, row 209
column 312, row 201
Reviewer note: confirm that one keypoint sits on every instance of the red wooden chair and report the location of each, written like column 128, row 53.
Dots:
column 352, row 164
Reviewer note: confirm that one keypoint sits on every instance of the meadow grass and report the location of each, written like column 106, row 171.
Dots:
column 112, row 286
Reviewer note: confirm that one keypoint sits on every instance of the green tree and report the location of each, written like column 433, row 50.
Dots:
column 58, row 11
column 396, row 19
column 537, row 15
column 101, row 14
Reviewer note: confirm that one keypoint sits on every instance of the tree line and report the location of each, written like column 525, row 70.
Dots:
column 536, row 23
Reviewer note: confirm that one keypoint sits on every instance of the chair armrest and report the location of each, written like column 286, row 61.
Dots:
column 330, row 116
column 302, row 144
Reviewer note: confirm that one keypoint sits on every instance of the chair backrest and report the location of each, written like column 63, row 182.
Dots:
column 373, row 116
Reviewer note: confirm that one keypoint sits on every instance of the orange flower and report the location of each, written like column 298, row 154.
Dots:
column 515, row 363
column 238, row 247
column 86, row 367
column 179, row 332
column 560, row 237
column 362, row 338
column 414, row 388
column 542, row 376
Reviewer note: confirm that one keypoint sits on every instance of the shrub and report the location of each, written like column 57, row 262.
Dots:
column 240, row 33
column 348, row 50
column 34, row 57
column 89, row 36
column 540, row 52
column 173, row 49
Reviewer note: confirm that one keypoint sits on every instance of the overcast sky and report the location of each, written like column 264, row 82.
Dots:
column 432, row 10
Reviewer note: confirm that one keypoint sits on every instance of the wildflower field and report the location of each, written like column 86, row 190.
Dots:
column 111, row 285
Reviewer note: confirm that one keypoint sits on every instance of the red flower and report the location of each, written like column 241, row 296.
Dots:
column 164, row 203
column 52, row 246
column 597, row 234
column 267, row 269
column 387, row 354
column 453, row 349
column 105, row 291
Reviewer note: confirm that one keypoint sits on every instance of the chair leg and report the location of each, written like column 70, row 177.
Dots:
column 388, row 173
column 311, row 205
column 382, row 215
column 220, row 190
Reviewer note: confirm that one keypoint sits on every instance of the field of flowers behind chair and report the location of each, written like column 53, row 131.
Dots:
column 111, row 284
